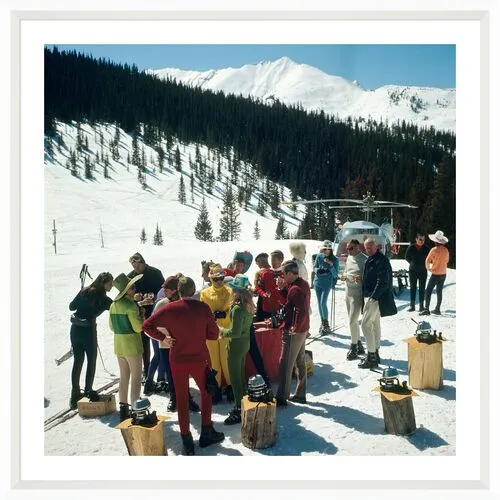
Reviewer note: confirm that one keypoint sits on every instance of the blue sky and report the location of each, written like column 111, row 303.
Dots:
column 371, row 65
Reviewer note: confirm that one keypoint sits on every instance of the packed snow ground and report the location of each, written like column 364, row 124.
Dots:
column 344, row 414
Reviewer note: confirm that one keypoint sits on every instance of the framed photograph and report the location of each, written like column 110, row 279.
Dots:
column 71, row 464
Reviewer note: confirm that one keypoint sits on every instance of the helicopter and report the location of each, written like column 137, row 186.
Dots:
column 385, row 235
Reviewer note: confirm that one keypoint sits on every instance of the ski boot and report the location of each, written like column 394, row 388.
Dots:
column 91, row 395
column 149, row 387
column 124, row 411
column 172, row 404
column 412, row 307
column 325, row 328
column 352, row 353
column 234, row 417
column 209, row 436
column 369, row 362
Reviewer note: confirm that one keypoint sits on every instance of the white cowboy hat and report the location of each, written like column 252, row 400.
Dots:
column 439, row 237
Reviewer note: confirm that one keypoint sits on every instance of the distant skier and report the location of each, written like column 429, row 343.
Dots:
column 88, row 304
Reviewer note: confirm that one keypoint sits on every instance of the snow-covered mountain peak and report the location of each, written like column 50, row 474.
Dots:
column 293, row 83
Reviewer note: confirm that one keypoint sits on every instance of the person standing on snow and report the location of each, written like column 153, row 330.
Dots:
column 151, row 284
column 170, row 294
column 218, row 298
column 416, row 255
column 89, row 303
column 190, row 325
column 238, row 335
column 379, row 300
column 294, row 333
column 125, row 321
column 353, row 272
column 436, row 263
column 326, row 269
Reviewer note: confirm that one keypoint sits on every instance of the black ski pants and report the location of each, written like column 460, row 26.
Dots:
column 84, row 343
column 436, row 280
column 419, row 277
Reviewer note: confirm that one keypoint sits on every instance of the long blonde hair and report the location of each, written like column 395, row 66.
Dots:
column 243, row 297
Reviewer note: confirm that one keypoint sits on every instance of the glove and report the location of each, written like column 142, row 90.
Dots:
column 219, row 314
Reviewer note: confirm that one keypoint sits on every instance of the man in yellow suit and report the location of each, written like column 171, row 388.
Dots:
column 218, row 298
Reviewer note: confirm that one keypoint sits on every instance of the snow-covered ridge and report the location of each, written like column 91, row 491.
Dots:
column 293, row 83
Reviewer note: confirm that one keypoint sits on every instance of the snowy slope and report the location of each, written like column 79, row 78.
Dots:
column 344, row 414
column 292, row 83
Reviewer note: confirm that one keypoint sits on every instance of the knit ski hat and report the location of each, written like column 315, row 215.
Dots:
column 327, row 245
column 123, row 283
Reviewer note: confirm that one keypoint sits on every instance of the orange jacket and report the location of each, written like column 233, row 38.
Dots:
column 437, row 260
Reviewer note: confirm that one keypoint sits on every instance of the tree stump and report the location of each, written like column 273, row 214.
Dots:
column 399, row 417
column 258, row 424
column 144, row 440
column 425, row 364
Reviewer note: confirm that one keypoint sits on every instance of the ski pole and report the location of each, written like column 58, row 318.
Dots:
column 332, row 310
column 102, row 361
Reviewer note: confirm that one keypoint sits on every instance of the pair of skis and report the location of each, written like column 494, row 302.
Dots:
column 66, row 414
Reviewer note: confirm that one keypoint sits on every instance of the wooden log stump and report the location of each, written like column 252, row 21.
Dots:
column 425, row 364
column 399, row 417
column 258, row 424
column 142, row 440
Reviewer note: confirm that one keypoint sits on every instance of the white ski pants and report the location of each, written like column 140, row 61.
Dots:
column 370, row 324
column 354, row 302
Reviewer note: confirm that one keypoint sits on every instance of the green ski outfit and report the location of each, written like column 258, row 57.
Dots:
column 239, row 344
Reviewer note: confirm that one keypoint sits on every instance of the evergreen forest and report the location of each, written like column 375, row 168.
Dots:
column 314, row 154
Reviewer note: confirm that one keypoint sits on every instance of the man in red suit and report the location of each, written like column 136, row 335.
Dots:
column 185, row 325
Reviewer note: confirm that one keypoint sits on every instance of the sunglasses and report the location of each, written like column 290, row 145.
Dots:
column 350, row 248
column 218, row 279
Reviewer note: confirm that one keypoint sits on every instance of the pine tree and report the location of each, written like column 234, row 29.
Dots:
column 178, row 165
column 158, row 237
column 161, row 158
column 230, row 227
column 182, row 191
column 280, row 229
column 143, row 236
column 203, row 228
column 256, row 230
column 136, row 156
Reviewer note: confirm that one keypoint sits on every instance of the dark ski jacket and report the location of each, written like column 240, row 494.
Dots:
column 90, row 309
column 151, row 282
column 296, row 308
column 377, row 283
column 416, row 256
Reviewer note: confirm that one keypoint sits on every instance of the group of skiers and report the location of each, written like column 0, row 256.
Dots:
column 192, row 330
